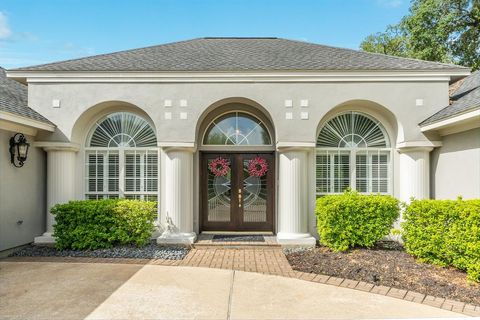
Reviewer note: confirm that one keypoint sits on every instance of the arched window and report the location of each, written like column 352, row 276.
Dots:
column 237, row 128
column 353, row 151
column 121, row 159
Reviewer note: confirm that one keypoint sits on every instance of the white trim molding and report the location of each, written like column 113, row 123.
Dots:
column 423, row 144
column 461, row 122
column 7, row 116
column 57, row 146
column 248, row 76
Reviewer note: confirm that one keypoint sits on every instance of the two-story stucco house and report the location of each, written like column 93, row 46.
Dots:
column 242, row 134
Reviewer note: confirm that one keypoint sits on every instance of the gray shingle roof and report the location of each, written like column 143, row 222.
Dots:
column 13, row 99
column 240, row 54
column 465, row 98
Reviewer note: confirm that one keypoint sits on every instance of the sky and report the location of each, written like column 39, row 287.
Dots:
column 40, row 31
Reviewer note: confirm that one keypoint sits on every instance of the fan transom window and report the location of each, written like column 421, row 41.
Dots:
column 353, row 151
column 237, row 128
column 121, row 159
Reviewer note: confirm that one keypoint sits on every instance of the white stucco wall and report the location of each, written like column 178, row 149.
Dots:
column 397, row 97
column 391, row 102
column 455, row 167
column 22, row 195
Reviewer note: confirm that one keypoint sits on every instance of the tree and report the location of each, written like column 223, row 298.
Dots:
column 436, row 30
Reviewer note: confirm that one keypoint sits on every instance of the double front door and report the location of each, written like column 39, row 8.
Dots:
column 237, row 191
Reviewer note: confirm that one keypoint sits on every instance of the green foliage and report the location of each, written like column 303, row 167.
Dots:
column 93, row 224
column 352, row 219
column 444, row 232
column 436, row 30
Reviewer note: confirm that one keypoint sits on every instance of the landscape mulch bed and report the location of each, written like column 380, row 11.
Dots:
column 389, row 265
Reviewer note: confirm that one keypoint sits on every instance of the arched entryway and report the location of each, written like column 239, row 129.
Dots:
column 237, row 171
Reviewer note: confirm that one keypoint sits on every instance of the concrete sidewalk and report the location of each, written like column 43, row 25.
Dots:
column 52, row 290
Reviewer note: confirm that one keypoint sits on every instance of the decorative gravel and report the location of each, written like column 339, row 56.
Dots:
column 151, row 251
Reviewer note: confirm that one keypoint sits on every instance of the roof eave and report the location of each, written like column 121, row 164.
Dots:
column 469, row 120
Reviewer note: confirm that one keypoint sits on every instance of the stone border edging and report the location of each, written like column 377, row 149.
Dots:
column 412, row 296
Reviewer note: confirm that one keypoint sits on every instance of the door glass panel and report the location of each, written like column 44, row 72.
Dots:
column 219, row 194
column 254, row 195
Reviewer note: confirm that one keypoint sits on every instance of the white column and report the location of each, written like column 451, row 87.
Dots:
column 177, row 170
column 293, row 198
column 414, row 173
column 60, row 182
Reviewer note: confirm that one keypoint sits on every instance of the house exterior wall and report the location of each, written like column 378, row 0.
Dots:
column 393, row 103
column 455, row 167
column 22, row 195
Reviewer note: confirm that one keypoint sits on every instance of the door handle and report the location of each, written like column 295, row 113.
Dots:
column 239, row 198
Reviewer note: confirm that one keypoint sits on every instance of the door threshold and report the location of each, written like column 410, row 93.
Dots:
column 266, row 233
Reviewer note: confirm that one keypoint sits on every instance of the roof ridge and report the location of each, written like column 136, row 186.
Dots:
column 209, row 38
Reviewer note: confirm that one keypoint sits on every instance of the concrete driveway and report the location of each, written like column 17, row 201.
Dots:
column 55, row 290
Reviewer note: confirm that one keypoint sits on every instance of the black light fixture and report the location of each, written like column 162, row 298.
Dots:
column 18, row 149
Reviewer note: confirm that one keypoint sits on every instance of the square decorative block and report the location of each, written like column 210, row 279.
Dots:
column 289, row 115
column 167, row 103
column 304, row 103
column 304, row 115
column 183, row 115
column 168, row 116
column 419, row 102
column 183, row 103
column 288, row 103
column 56, row 103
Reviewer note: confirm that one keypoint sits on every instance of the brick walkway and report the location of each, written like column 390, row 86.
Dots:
column 272, row 261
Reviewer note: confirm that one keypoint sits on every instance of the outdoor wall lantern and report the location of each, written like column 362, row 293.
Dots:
column 18, row 149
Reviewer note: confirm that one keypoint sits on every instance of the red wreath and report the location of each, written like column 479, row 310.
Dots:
column 220, row 167
column 257, row 167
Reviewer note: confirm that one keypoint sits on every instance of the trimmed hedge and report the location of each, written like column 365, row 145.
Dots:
column 444, row 232
column 93, row 224
column 353, row 219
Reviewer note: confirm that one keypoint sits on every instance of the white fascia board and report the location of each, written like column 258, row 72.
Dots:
column 452, row 121
column 26, row 121
column 267, row 76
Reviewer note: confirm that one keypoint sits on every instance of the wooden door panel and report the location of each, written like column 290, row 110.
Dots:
column 236, row 201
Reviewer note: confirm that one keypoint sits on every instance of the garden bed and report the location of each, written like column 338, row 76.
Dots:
column 387, row 264
column 150, row 251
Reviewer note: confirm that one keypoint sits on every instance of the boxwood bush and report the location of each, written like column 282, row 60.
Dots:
column 353, row 219
column 93, row 224
column 444, row 232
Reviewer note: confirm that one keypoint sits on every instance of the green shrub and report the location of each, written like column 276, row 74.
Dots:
column 444, row 232
column 93, row 224
column 352, row 219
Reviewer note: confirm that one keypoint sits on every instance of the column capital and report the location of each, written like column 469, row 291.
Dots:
column 300, row 146
column 57, row 146
column 178, row 146
column 409, row 146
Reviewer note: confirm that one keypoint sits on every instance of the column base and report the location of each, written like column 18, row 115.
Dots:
column 296, row 240
column 45, row 239
column 185, row 239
